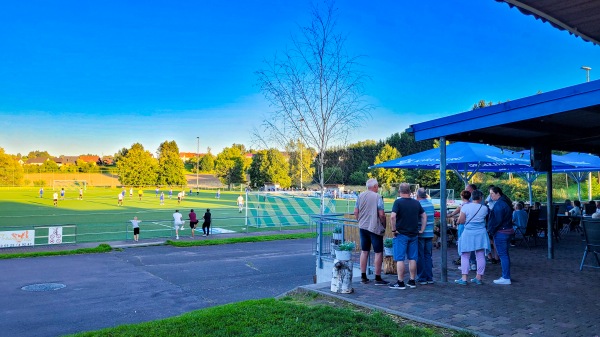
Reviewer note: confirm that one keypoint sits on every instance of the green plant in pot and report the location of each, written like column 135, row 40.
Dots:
column 388, row 246
column 337, row 230
column 346, row 246
column 337, row 233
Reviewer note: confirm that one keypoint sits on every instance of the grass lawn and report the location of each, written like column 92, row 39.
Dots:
column 300, row 314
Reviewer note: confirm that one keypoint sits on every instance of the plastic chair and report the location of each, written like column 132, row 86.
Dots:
column 591, row 234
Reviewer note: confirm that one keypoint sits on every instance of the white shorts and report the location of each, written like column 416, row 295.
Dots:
column 177, row 225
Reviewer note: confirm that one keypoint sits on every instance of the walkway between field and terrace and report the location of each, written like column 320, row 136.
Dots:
column 547, row 297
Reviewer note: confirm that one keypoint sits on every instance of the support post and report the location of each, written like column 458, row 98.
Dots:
column 443, row 210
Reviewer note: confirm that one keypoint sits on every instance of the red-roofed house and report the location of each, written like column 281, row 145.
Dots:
column 91, row 159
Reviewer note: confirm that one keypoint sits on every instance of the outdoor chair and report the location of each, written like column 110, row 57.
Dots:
column 591, row 235
column 531, row 232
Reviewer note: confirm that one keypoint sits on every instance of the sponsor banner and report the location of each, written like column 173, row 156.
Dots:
column 17, row 238
column 54, row 235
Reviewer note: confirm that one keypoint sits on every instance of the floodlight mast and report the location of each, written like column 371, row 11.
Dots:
column 587, row 72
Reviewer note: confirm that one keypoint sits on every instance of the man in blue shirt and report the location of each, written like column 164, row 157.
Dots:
column 425, row 262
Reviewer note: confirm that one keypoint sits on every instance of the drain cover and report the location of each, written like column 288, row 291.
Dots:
column 44, row 287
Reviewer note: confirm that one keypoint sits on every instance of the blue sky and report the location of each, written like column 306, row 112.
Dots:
column 93, row 77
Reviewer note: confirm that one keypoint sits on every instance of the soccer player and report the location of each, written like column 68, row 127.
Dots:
column 62, row 193
column 120, row 200
column 177, row 222
column 80, row 194
column 136, row 228
column 162, row 198
column 55, row 199
column 240, row 202
column 141, row 193
column 41, row 192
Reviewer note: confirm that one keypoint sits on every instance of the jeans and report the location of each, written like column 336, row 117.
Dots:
column 425, row 262
column 502, row 242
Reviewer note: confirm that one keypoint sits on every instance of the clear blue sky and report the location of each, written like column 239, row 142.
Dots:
column 93, row 77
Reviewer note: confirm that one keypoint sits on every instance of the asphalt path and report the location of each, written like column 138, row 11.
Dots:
column 145, row 283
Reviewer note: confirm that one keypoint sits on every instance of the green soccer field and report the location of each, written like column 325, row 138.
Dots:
column 99, row 218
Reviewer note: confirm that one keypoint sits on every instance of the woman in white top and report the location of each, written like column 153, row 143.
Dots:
column 474, row 238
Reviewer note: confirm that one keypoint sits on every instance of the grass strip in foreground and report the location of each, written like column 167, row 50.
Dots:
column 102, row 248
column 270, row 317
column 259, row 238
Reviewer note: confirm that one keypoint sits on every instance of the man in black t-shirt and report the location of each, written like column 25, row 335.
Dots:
column 405, row 217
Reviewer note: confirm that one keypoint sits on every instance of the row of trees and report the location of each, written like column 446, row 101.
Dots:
column 137, row 166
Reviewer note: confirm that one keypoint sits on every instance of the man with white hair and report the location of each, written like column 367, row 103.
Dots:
column 370, row 214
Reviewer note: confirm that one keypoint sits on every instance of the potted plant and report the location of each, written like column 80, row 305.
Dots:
column 337, row 233
column 388, row 246
column 344, row 250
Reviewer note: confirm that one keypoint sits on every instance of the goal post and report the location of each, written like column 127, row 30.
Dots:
column 73, row 184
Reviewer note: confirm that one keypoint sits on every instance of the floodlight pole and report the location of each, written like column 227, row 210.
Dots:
column 197, row 162
column 587, row 72
column 300, row 146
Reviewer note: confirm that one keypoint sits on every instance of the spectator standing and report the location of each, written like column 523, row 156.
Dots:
column 474, row 237
column 206, row 223
column 519, row 219
column 405, row 216
column 369, row 212
column 177, row 223
column 500, row 228
column 193, row 221
column 425, row 261
column 136, row 228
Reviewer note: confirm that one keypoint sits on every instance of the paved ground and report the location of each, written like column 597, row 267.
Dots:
column 547, row 298
column 144, row 283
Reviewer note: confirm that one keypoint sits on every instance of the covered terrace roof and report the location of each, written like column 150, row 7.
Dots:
column 579, row 17
column 567, row 119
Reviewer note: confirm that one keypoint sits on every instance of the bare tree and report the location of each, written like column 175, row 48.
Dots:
column 315, row 88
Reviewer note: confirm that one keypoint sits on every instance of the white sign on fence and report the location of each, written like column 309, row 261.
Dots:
column 17, row 238
column 55, row 235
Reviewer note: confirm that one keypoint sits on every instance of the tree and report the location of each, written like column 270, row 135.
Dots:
column 170, row 167
column 229, row 166
column 269, row 166
column 333, row 175
column 49, row 166
column 316, row 89
column 11, row 172
column 137, row 167
column 38, row 154
column 207, row 163
column 301, row 157
column 385, row 177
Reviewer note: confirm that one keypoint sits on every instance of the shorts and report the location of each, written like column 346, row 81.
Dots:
column 136, row 231
column 177, row 225
column 368, row 238
column 55, row 200
column 406, row 247
column 193, row 224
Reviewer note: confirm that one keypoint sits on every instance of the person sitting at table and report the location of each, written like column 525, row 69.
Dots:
column 519, row 219
column 576, row 210
column 598, row 207
column 568, row 205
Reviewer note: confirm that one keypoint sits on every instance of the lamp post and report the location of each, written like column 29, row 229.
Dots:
column 300, row 146
column 197, row 162
column 587, row 77
column 587, row 72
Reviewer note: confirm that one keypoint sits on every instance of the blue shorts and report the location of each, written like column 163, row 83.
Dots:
column 406, row 247
column 368, row 238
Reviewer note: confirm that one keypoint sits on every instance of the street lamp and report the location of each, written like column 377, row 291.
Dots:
column 587, row 75
column 197, row 162
column 587, row 72
column 300, row 146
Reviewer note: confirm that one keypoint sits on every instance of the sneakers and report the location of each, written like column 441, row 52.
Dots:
column 412, row 284
column 460, row 282
column 177, row 237
column 364, row 280
column 502, row 281
column 476, row 281
column 397, row 285
column 473, row 267
column 203, row 234
column 381, row 283
column 422, row 282
column 430, row 282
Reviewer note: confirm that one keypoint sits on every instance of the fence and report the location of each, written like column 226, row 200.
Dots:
column 149, row 229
